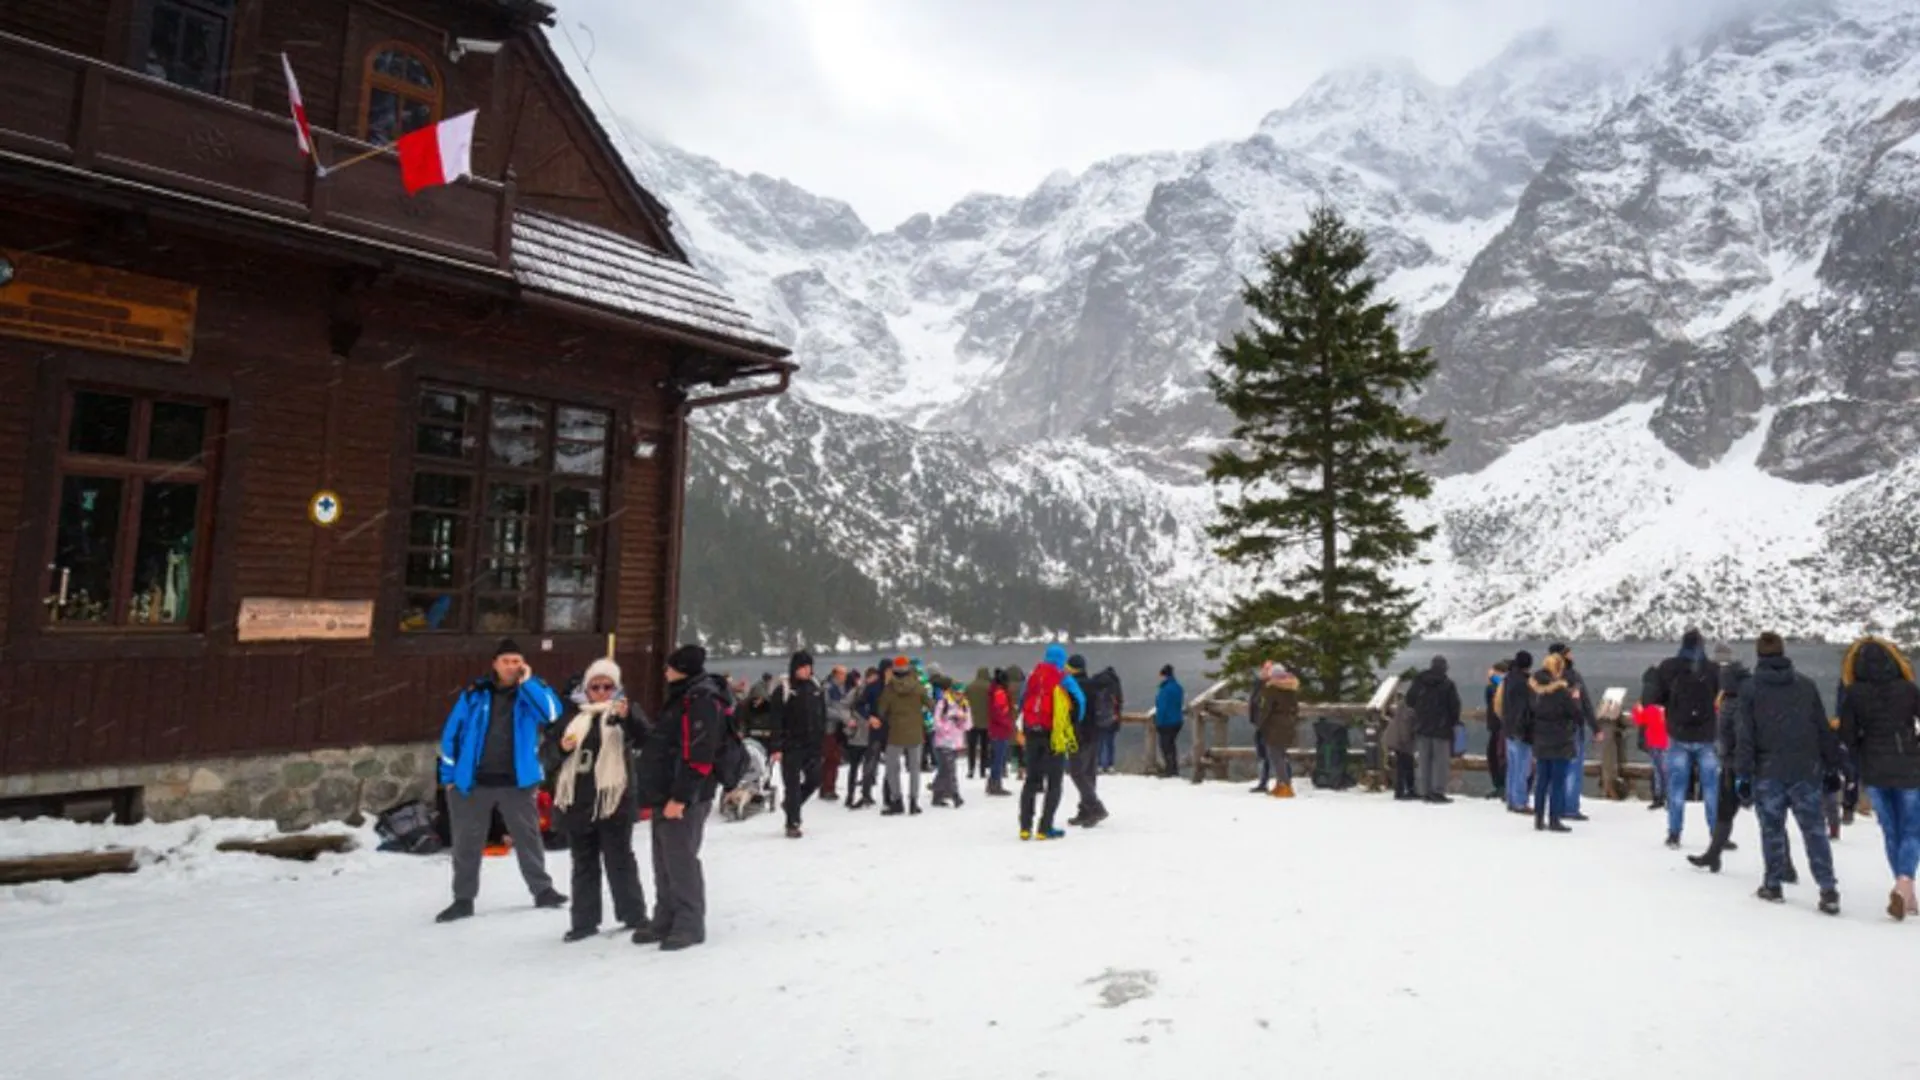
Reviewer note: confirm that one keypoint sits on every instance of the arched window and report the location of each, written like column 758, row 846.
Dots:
column 400, row 92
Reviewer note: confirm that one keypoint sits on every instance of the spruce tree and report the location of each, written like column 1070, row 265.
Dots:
column 1321, row 462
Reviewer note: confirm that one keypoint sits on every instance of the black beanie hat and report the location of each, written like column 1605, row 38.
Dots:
column 1167, row 672
column 1557, row 649
column 1692, row 640
column 1523, row 659
column 801, row 659
column 688, row 660
column 508, row 647
column 1771, row 644
column 1076, row 662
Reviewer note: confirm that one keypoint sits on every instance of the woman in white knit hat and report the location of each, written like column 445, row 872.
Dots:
column 593, row 795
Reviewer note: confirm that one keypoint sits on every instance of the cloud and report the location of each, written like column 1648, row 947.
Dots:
column 900, row 106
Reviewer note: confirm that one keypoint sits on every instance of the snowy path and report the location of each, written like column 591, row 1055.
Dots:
column 1201, row 931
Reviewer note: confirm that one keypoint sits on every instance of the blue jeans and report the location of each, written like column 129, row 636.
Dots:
column 1519, row 758
column 1772, row 799
column 1107, row 745
column 997, row 761
column 1659, row 770
column 1899, row 812
column 1550, row 790
column 1577, row 769
column 1682, row 759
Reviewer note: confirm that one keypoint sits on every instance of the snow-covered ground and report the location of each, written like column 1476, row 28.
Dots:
column 1200, row 932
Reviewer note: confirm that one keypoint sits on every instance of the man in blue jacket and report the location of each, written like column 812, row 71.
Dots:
column 490, row 760
column 1169, row 716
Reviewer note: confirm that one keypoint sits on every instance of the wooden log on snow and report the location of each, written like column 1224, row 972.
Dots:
column 305, row 847
column 68, row 866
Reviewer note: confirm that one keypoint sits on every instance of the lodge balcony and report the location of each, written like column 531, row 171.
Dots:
column 89, row 119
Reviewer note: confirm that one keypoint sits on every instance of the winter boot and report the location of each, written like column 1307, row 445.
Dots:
column 1657, row 804
column 828, row 796
column 1078, row 820
column 459, row 909
column 1556, row 826
column 939, row 800
column 1055, row 834
column 1673, row 841
column 1708, row 861
column 1833, row 831
column 958, row 802
column 1830, row 901
column 793, row 832
column 1026, row 834
column 648, row 934
column 1259, row 789
column 677, row 942
column 1283, row 790
column 579, row 934
column 1575, row 817
column 1771, row 894
column 892, row 809
column 913, row 807
column 1437, row 799
column 1729, row 846
column 549, row 898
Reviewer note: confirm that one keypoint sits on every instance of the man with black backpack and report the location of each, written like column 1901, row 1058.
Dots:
column 1687, row 684
column 799, row 710
column 1101, row 716
column 692, row 751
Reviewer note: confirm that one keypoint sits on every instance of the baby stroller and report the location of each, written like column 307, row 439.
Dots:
column 755, row 791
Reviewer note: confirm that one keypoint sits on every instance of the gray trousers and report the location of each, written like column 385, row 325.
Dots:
column 946, row 779
column 470, row 815
column 1436, row 757
column 679, row 882
column 903, row 759
column 1084, row 769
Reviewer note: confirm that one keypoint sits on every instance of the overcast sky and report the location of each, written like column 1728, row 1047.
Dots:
column 899, row 106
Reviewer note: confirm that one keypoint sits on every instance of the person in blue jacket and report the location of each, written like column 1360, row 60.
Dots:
column 490, row 760
column 1169, row 716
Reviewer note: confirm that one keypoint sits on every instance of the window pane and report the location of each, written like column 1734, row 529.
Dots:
column 437, row 440
column 429, row 530
column 163, row 555
column 573, row 578
column 499, row 614
column 102, row 424
column 383, row 117
column 448, row 404
column 187, row 43
column 518, row 433
column 504, row 575
column 510, row 500
column 415, row 114
column 570, row 613
column 576, row 519
column 577, row 504
column 574, row 541
column 405, row 66
column 84, row 544
column 179, row 432
column 509, row 536
column 433, row 570
column 581, row 449
column 438, row 491
column 427, row 612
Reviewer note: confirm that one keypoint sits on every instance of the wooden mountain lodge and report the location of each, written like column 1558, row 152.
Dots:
column 283, row 453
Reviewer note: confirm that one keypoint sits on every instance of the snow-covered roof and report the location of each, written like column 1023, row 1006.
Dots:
column 591, row 265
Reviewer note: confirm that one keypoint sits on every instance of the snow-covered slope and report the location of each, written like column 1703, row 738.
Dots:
column 1670, row 286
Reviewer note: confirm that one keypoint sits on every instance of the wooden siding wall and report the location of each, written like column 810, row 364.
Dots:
column 74, row 25
column 300, row 419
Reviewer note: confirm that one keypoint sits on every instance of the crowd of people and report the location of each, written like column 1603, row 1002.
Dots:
column 1757, row 738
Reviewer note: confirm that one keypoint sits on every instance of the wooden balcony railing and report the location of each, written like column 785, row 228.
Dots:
column 76, row 111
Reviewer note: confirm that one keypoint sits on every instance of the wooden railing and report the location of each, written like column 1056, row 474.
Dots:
column 79, row 112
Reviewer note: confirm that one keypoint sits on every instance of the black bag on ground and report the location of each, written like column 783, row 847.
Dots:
column 408, row 828
column 1330, row 745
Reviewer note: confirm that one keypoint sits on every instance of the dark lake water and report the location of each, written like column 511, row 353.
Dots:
column 1602, row 664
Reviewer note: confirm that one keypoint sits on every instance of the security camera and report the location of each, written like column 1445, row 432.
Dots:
column 463, row 46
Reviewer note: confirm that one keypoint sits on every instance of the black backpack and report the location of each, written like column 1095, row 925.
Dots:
column 1330, row 745
column 1103, row 712
column 730, row 761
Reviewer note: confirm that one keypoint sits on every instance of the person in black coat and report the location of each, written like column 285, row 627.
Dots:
column 1496, row 733
column 1550, row 723
column 799, row 710
column 593, row 798
column 676, row 782
column 1733, row 683
column 1880, row 725
column 1436, row 713
column 1785, row 752
column 1516, row 700
column 1688, row 684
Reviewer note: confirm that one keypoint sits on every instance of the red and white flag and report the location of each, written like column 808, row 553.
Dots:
column 439, row 154
column 300, row 128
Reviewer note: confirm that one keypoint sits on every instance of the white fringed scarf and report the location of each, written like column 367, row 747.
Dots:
column 609, row 768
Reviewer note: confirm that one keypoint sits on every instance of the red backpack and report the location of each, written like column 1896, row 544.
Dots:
column 1036, row 709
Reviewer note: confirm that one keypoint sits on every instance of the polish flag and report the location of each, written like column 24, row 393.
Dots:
column 436, row 155
column 300, row 128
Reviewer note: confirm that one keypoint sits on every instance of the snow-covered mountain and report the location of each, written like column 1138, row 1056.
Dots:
column 1675, row 306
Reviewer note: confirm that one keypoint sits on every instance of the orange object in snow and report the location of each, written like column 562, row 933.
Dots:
column 494, row 851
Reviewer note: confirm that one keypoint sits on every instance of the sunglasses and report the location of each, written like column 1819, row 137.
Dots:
column 601, row 686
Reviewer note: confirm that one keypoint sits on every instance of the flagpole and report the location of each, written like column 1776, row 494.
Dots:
column 354, row 160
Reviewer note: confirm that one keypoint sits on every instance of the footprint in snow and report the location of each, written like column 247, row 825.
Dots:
column 1119, row 987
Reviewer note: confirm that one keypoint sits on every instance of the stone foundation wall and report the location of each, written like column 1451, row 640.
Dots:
column 294, row 790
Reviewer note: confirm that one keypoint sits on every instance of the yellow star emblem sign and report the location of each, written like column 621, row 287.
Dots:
column 325, row 509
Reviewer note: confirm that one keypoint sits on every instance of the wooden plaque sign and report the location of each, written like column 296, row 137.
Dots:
column 94, row 307
column 263, row 619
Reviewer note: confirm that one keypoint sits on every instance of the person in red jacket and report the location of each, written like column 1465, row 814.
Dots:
column 1652, row 721
column 999, row 732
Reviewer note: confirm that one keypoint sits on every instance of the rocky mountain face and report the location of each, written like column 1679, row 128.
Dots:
column 1707, row 262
